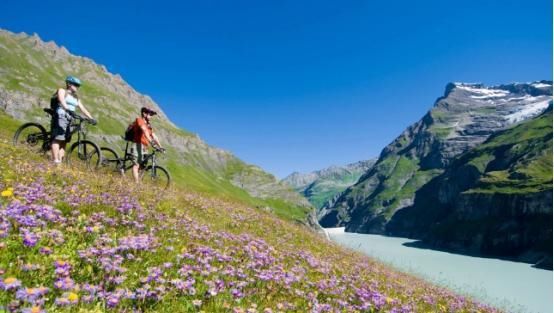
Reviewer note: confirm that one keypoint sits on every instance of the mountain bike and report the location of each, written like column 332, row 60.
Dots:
column 34, row 136
column 154, row 173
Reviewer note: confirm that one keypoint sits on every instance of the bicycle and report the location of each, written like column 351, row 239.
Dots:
column 34, row 135
column 158, row 175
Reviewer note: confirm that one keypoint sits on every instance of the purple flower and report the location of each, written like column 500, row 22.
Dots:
column 10, row 283
column 30, row 239
column 65, row 283
column 45, row 250
column 31, row 295
column 34, row 309
column 237, row 294
column 112, row 300
column 62, row 268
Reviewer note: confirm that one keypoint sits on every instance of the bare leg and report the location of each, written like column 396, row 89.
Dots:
column 62, row 150
column 136, row 172
column 56, row 151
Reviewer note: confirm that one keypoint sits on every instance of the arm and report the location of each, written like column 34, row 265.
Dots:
column 146, row 132
column 82, row 108
column 156, row 140
column 61, row 98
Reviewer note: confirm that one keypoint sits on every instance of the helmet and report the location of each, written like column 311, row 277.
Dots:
column 148, row 110
column 73, row 80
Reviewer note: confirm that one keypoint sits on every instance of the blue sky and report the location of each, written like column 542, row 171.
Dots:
column 298, row 85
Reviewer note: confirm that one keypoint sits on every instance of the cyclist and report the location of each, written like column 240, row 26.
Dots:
column 68, row 101
column 143, row 136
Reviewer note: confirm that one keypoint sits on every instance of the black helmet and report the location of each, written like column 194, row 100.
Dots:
column 148, row 110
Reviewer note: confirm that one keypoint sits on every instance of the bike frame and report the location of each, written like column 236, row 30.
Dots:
column 143, row 164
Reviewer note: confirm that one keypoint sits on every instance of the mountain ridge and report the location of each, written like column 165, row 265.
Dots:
column 322, row 186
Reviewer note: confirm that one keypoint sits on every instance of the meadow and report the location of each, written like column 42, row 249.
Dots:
column 72, row 240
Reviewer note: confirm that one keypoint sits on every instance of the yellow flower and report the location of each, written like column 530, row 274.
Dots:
column 389, row 300
column 73, row 297
column 8, row 192
column 35, row 309
column 60, row 262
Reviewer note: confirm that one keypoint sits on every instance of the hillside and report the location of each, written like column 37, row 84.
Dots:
column 496, row 199
column 31, row 70
column 322, row 186
column 75, row 241
column 462, row 119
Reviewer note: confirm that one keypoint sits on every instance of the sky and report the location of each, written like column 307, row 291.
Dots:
column 298, row 85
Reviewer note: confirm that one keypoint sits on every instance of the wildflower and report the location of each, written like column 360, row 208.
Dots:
column 34, row 309
column 8, row 192
column 45, row 250
column 197, row 302
column 62, row 268
column 61, row 301
column 65, row 283
column 113, row 300
column 237, row 294
column 30, row 239
column 29, row 267
column 73, row 297
column 30, row 295
column 10, row 283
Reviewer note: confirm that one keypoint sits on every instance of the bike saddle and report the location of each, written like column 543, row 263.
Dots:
column 49, row 111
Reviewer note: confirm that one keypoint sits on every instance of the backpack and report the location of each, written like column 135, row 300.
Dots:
column 54, row 103
column 130, row 131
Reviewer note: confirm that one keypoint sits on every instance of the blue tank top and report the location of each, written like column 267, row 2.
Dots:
column 71, row 102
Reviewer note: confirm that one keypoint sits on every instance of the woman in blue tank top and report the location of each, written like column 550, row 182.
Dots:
column 68, row 101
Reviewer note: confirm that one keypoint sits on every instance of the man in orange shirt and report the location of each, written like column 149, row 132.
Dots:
column 143, row 137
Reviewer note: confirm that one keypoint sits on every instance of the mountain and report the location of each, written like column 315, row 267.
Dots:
column 31, row 70
column 321, row 186
column 462, row 119
column 496, row 199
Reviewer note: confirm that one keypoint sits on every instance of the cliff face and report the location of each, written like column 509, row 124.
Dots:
column 31, row 70
column 466, row 116
column 495, row 199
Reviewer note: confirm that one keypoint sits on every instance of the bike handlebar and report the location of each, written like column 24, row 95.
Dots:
column 157, row 149
column 82, row 118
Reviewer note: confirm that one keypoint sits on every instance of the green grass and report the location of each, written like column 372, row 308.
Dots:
column 515, row 161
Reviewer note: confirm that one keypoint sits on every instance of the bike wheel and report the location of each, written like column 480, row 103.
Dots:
column 157, row 176
column 31, row 135
column 84, row 152
column 110, row 160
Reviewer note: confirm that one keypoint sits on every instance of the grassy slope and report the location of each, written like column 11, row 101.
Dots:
column 282, row 266
column 518, row 160
column 29, row 71
column 401, row 179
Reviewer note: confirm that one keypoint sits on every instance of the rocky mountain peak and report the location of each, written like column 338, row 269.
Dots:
column 463, row 118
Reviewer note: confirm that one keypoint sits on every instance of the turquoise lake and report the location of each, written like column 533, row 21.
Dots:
column 512, row 286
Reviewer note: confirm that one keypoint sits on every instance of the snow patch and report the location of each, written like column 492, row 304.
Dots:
column 484, row 93
column 541, row 85
column 530, row 110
